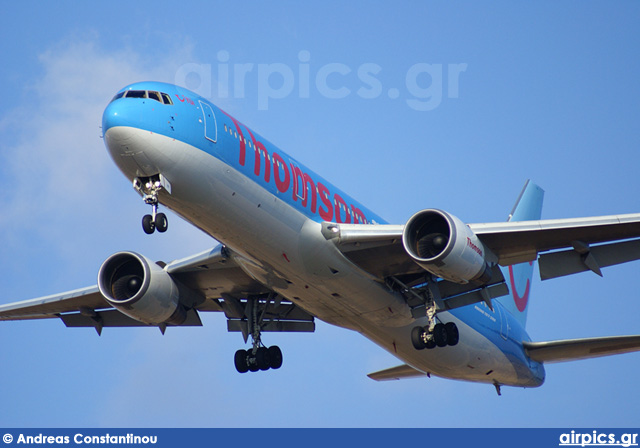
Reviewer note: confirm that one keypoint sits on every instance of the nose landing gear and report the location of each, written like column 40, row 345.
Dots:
column 154, row 221
column 149, row 189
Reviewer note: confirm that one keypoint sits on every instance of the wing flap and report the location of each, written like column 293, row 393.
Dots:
column 574, row 349
column 478, row 295
column 396, row 373
column 559, row 264
column 521, row 241
column 114, row 318
column 286, row 326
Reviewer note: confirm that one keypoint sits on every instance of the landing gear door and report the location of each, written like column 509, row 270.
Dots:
column 504, row 323
column 210, row 125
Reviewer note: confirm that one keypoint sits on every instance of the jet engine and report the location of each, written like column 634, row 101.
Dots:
column 445, row 246
column 141, row 289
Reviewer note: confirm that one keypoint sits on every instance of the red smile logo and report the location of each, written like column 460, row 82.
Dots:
column 521, row 301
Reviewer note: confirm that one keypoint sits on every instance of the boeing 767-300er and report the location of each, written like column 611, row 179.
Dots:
column 445, row 297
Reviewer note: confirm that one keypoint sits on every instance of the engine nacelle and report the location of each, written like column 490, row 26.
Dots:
column 445, row 246
column 141, row 289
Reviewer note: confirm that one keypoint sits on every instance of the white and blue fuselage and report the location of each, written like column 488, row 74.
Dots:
column 264, row 205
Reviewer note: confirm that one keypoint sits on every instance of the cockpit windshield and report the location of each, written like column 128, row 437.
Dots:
column 136, row 94
column 151, row 94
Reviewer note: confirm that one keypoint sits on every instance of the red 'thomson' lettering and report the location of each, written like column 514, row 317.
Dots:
column 286, row 176
column 474, row 247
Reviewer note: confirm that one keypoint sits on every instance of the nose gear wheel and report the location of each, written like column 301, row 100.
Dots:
column 149, row 188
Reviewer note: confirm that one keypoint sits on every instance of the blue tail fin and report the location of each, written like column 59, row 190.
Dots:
column 528, row 208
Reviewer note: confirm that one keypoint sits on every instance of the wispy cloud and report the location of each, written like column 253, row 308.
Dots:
column 57, row 178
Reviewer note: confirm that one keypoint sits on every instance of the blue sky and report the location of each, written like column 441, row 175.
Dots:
column 543, row 91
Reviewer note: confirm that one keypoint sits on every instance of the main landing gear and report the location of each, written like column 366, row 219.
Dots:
column 434, row 334
column 258, row 357
column 149, row 188
column 441, row 336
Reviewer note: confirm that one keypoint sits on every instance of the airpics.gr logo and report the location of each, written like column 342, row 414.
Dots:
column 596, row 438
column 423, row 86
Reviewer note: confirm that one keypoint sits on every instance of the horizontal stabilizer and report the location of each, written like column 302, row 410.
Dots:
column 396, row 373
column 574, row 349
column 559, row 264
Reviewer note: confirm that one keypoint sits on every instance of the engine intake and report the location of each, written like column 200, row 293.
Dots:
column 141, row 289
column 444, row 246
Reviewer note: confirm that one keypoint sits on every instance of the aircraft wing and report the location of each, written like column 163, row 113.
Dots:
column 52, row 306
column 214, row 274
column 378, row 249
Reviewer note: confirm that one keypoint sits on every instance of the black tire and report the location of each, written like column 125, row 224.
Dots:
column 431, row 343
column 440, row 335
column 275, row 357
column 417, row 338
column 162, row 223
column 240, row 360
column 262, row 358
column 453, row 335
column 148, row 225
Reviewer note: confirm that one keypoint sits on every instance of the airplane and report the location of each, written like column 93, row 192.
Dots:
column 447, row 298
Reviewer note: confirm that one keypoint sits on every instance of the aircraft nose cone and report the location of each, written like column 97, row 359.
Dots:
column 128, row 141
column 118, row 128
column 115, row 121
column 116, row 114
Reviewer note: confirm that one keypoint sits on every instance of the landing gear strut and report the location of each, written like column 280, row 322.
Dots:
column 149, row 188
column 259, row 357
